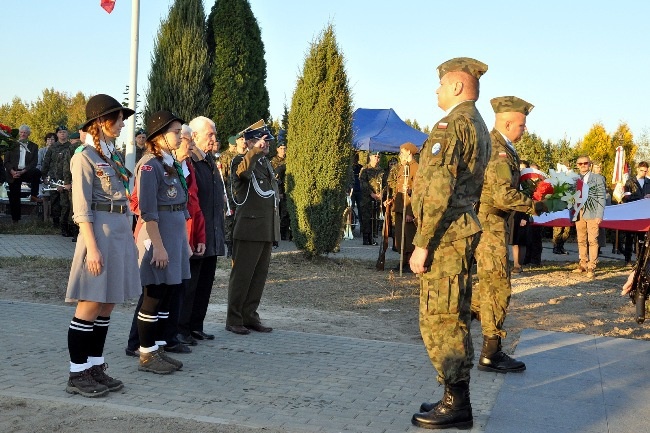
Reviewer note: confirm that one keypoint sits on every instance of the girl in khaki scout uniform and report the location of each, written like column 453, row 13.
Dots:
column 104, row 268
column 163, row 248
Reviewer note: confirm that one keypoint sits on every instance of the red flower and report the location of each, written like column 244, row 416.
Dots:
column 543, row 188
column 5, row 128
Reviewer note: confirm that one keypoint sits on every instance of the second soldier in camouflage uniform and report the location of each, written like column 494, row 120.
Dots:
column 370, row 179
column 500, row 197
column 447, row 186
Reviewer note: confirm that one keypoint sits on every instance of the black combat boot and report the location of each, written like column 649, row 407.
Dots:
column 366, row 239
column 493, row 359
column 454, row 410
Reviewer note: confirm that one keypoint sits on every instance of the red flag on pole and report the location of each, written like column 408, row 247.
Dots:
column 107, row 5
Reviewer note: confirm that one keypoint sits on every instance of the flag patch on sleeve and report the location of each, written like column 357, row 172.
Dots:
column 442, row 125
column 503, row 154
column 145, row 167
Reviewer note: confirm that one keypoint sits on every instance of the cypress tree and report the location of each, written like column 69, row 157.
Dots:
column 179, row 78
column 239, row 95
column 320, row 135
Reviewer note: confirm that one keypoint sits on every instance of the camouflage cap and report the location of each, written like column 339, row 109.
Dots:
column 410, row 147
column 468, row 65
column 511, row 104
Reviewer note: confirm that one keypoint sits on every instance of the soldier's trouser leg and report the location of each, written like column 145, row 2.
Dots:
column 247, row 279
column 366, row 217
column 229, row 223
column 55, row 206
column 492, row 295
column 445, row 297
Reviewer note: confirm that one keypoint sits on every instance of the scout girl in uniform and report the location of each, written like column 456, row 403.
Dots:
column 104, row 268
column 163, row 249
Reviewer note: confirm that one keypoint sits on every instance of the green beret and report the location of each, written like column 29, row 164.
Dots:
column 511, row 104
column 232, row 140
column 463, row 64
column 410, row 147
column 74, row 135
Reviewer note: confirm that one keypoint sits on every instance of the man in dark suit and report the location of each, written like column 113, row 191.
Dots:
column 257, row 228
column 636, row 188
column 20, row 166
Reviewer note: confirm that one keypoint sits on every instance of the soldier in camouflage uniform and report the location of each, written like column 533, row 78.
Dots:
column 446, row 189
column 236, row 146
column 501, row 197
column 279, row 164
column 370, row 179
column 401, row 208
column 51, row 169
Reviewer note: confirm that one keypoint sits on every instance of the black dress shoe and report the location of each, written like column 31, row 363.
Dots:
column 200, row 335
column 258, row 327
column 178, row 348
column 188, row 340
column 238, row 329
column 131, row 352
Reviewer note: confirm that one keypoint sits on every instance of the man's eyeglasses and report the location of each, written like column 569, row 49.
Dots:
column 582, row 163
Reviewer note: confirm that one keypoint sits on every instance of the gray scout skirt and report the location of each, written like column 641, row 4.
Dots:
column 174, row 236
column 119, row 279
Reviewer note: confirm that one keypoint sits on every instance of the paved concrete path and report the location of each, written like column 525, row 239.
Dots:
column 304, row 382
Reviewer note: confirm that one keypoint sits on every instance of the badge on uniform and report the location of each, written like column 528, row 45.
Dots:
column 442, row 125
column 145, row 167
column 172, row 192
column 435, row 149
column 99, row 173
column 503, row 154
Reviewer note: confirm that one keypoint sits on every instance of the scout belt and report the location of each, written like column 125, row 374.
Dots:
column 106, row 207
column 173, row 207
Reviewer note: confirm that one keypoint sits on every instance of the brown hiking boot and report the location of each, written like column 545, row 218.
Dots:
column 99, row 374
column 154, row 363
column 168, row 359
column 83, row 383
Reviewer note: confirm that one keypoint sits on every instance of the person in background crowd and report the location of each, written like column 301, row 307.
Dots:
column 518, row 233
column 534, row 245
column 279, row 164
column 588, row 220
column 370, row 179
column 636, row 188
column 163, row 247
column 51, row 170
column 257, row 228
column 104, row 267
column 356, row 187
column 225, row 159
column 20, row 166
column 50, row 139
column 448, row 184
column 399, row 178
column 140, row 141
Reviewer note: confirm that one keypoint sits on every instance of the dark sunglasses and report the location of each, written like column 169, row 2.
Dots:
column 582, row 163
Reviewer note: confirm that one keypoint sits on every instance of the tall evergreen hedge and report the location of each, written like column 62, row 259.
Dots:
column 239, row 95
column 180, row 73
column 319, row 151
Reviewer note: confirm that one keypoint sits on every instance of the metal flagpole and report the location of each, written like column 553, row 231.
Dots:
column 129, row 145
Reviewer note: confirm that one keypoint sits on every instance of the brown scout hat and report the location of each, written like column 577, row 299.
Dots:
column 410, row 147
column 463, row 64
column 511, row 104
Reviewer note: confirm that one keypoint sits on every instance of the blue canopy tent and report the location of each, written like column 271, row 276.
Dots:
column 381, row 130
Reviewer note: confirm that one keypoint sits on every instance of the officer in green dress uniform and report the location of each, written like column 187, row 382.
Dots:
column 447, row 187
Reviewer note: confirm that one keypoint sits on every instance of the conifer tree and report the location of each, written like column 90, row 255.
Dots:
column 179, row 77
column 238, row 88
column 320, row 135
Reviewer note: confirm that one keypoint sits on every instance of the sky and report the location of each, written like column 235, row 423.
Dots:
column 579, row 62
